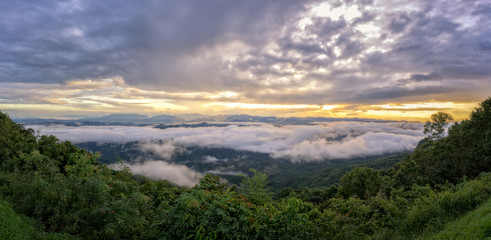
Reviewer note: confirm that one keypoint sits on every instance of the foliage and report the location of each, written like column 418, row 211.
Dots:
column 13, row 226
column 436, row 128
column 433, row 210
column 466, row 151
column 324, row 173
column 211, row 183
column 287, row 219
column 254, row 188
column 361, row 182
column 474, row 225
column 202, row 214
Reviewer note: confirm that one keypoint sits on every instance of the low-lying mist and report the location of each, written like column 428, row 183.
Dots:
column 176, row 173
column 298, row 143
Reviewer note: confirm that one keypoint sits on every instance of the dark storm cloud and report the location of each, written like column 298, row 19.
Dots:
column 395, row 92
column 325, row 26
column 484, row 45
column 250, row 46
column 399, row 23
column 423, row 77
column 55, row 41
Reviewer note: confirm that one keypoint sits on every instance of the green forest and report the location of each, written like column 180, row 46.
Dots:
column 51, row 189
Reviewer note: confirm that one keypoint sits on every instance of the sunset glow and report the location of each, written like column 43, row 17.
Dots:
column 380, row 59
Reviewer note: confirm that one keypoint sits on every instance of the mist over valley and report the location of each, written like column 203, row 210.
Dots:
column 181, row 151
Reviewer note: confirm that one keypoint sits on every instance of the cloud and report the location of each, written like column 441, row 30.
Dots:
column 211, row 159
column 424, row 77
column 297, row 142
column 236, row 173
column 304, row 52
column 163, row 150
column 360, row 146
column 178, row 174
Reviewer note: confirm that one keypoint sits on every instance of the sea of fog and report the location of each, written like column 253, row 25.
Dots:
column 317, row 142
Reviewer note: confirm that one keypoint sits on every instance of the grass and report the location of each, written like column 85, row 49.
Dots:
column 475, row 224
column 12, row 226
column 15, row 227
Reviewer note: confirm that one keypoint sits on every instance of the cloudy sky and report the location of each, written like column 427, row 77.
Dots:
column 385, row 59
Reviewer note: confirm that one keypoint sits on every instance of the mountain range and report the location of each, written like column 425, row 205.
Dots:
column 144, row 120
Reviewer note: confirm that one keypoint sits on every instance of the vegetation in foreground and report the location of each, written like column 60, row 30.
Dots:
column 60, row 189
column 475, row 224
column 14, row 226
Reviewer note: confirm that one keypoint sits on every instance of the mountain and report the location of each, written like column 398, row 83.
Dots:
column 142, row 120
column 162, row 119
column 117, row 118
column 191, row 116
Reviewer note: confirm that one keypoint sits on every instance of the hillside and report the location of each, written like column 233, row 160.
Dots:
column 475, row 224
column 64, row 190
column 13, row 226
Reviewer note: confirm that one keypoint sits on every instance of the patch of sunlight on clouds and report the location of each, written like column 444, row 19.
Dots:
column 165, row 106
column 372, row 49
column 297, row 76
column 304, row 22
column 329, row 107
column 369, row 30
column 417, row 111
column 347, row 63
column 433, row 105
column 231, row 50
column 466, row 21
column 398, row 114
column 157, row 104
column 204, row 95
column 49, row 107
column 259, row 105
column 96, row 83
column 308, row 87
column 226, row 94
column 325, row 9
column 337, row 51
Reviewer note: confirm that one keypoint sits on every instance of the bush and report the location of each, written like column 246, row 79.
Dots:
column 434, row 210
column 361, row 182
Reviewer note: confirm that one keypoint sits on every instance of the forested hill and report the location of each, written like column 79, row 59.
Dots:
column 61, row 192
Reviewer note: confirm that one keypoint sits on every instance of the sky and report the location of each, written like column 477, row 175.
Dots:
column 382, row 59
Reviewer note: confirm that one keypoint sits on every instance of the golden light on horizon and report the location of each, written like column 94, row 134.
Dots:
column 419, row 111
column 435, row 105
column 259, row 105
column 114, row 95
column 329, row 107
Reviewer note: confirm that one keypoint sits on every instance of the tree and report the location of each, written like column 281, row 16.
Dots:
column 465, row 151
column 360, row 182
column 255, row 188
column 436, row 128
column 211, row 183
